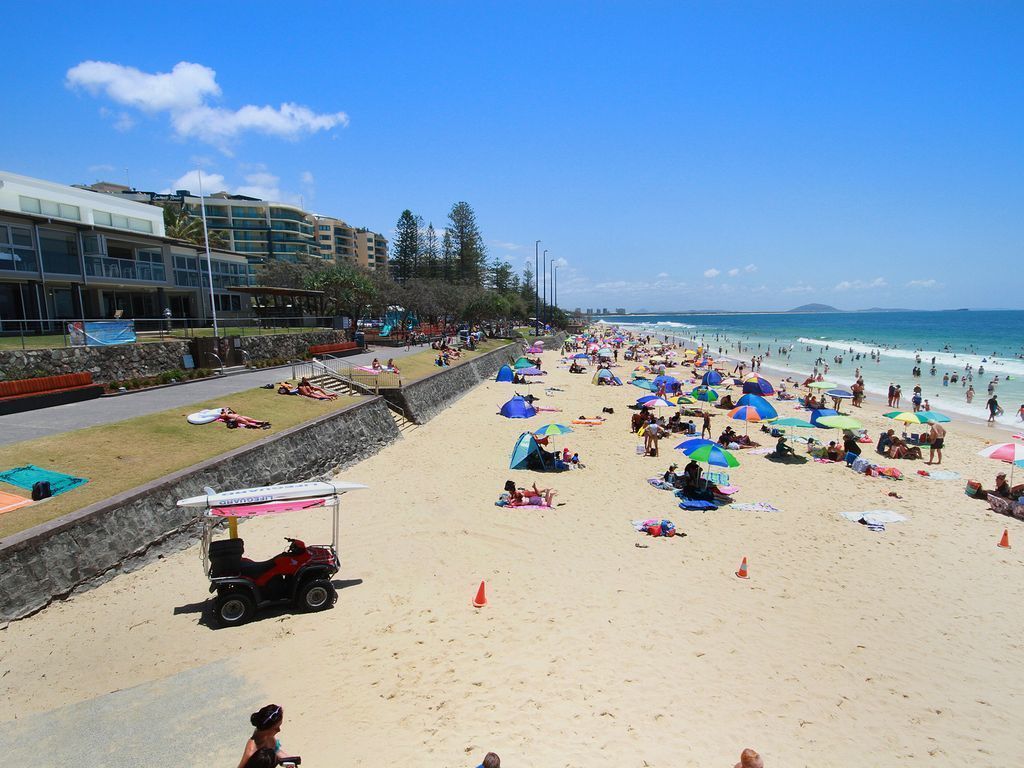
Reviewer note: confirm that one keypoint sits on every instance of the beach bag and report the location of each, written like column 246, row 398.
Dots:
column 41, row 490
column 973, row 488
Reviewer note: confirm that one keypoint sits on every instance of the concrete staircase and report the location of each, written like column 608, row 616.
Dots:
column 343, row 387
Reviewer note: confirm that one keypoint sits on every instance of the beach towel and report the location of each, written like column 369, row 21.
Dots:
column 10, row 501
column 686, row 503
column 588, row 422
column 727, row 490
column 547, row 410
column 754, row 506
column 655, row 527
column 27, row 476
column 875, row 519
column 940, row 474
column 522, row 506
column 760, row 451
column 660, row 484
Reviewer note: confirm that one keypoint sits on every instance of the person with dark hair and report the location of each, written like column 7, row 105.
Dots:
column 267, row 721
column 491, row 760
column 262, row 758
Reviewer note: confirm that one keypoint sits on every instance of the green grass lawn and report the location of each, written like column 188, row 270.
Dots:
column 117, row 457
column 58, row 341
column 416, row 366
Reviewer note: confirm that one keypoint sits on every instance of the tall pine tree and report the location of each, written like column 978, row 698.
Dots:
column 467, row 245
column 406, row 250
column 429, row 265
column 448, row 267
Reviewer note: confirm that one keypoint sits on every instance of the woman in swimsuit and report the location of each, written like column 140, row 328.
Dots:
column 267, row 722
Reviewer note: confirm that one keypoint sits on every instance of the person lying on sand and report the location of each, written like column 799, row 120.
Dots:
column 235, row 420
column 306, row 389
column 533, row 496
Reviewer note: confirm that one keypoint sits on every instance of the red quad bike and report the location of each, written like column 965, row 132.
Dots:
column 300, row 575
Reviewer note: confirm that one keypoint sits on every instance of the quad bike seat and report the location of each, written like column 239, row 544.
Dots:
column 252, row 569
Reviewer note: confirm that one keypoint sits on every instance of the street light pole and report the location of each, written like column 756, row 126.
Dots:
column 536, row 288
column 545, row 305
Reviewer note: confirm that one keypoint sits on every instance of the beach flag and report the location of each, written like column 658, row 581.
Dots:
column 742, row 572
column 481, row 599
column 1005, row 541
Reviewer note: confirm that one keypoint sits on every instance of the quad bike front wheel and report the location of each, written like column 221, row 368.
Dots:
column 317, row 595
column 234, row 608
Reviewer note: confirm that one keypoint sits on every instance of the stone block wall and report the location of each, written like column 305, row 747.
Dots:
column 125, row 361
column 127, row 531
column 288, row 345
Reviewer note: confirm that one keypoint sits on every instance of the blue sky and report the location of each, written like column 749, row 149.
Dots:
column 672, row 155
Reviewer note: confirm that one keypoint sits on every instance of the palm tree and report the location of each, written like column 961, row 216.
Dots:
column 181, row 225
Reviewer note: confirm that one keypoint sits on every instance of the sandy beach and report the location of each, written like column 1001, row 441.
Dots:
column 845, row 646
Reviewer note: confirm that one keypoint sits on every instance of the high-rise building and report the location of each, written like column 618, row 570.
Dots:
column 335, row 239
column 371, row 250
column 620, row 311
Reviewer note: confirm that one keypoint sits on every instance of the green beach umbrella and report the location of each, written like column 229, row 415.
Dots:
column 934, row 416
column 821, row 385
column 794, row 422
column 839, row 422
column 553, row 430
column 907, row 417
column 709, row 453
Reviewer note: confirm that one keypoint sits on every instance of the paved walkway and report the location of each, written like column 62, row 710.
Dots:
column 66, row 418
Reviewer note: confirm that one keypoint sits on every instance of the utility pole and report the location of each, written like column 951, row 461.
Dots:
column 536, row 289
column 554, row 288
column 545, row 305
column 209, row 262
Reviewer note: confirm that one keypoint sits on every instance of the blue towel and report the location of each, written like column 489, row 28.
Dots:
column 27, row 476
column 696, row 504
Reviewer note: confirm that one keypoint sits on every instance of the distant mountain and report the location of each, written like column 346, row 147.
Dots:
column 815, row 308
column 886, row 309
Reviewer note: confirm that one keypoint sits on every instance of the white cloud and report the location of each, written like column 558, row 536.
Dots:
column 184, row 93
column 733, row 272
column 560, row 263
column 506, row 246
column 929, row 283
column 307, row 177
column 186, row 86
column 750, row 268
column 263, row 185
column 662, row 274
column 800, row 287
column 711, row 273
column 860, row 285
column 212, row 182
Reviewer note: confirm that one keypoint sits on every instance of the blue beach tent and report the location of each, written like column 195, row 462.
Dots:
column 505, row 374
column 518, row 408
column 820, row 414
column 527, row 454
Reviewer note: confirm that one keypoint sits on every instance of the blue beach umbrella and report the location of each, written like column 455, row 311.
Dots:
column 580, row 356
column 643, row 384
column 764, row 409
column 668, row 381
column 709, row 453
column 711, row 379
column 821, row 413
column 756, row 385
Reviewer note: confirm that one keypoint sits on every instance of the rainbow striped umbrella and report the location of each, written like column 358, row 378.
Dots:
column 746, row 413
column 707, row 452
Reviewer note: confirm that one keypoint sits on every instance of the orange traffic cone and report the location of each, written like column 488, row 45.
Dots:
column 742, row 572
column 481, row 599
column 1005, row 541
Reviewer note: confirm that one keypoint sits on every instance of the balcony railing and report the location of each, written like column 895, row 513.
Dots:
column 124, row 269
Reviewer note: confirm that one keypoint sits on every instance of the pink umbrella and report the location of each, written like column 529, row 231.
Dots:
column 1008, row 452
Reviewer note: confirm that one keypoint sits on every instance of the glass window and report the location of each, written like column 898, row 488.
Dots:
column 60, row 252
column 93, row 244
column 101, row 218
column 29, row 204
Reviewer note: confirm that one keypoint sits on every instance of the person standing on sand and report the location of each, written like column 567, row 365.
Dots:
column 892, row 394
column 897, row 396
column 706, row 426
column 938, row 439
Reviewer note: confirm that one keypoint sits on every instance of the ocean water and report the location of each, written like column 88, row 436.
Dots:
column 993, row 340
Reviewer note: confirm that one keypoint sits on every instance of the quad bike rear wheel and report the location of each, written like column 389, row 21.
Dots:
column 317, row 595
column 234, row 608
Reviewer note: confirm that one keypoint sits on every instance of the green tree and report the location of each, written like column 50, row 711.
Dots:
column 527, row 289
column 501, row 276
column 181, row 225
column 447, row 257
column 349, row 290
column 429, row 262
column 406, row 253
column 468, row 248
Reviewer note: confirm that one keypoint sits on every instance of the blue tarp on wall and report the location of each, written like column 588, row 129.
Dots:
column 101, row 333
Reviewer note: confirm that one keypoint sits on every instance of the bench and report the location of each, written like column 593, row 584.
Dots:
column 340, row 348
column 29, row 394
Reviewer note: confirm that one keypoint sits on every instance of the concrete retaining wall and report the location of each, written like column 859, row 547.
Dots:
column 127, row 531
column 288, row 345
column 422, row 400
